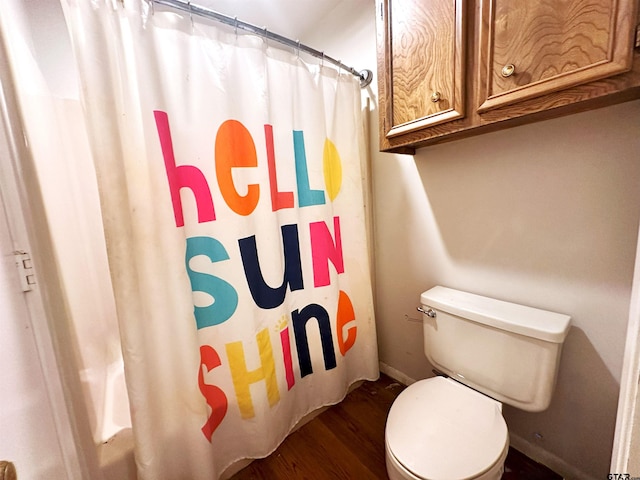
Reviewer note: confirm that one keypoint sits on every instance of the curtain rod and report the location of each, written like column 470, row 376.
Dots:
column 365, row 76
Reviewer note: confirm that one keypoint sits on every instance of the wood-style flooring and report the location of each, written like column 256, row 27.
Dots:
column 347, row 442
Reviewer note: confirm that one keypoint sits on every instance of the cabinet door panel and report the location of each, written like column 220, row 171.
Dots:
column 530, row 48
column 424, row 59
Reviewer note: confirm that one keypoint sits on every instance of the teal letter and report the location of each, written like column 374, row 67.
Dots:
column 225, row 297
column 306, row 196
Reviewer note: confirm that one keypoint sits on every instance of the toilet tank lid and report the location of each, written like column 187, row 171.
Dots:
column 520, row 319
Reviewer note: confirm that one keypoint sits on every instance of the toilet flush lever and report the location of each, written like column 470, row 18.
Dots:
column 429, row 312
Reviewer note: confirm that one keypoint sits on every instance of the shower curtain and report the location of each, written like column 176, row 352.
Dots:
column 230, row 178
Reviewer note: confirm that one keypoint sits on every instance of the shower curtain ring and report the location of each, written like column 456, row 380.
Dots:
column 235, row 21
column 190, row 13
column 322, row 61
column 298, row 48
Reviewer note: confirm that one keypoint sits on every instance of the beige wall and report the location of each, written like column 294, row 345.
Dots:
column 544, row 215
column 634, row 460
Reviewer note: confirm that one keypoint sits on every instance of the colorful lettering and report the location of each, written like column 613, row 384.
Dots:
column 306, row 196
column 225, row 297
column 344, row 316
column 216, row 300
column 279, row 200
column 234, row 149
column 285, row 342
column 263, row 295
column 214, row 396
column 243, row 378
column 324, row 249
column 332, row 167
column 299, row 320
column 183, row 176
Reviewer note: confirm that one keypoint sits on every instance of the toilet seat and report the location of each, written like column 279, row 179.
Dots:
column 440, row 429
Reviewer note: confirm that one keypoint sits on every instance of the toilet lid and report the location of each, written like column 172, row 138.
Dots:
column 440, row 429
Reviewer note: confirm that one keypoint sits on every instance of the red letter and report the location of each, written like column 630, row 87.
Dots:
column 278, row 199
column 215, row 397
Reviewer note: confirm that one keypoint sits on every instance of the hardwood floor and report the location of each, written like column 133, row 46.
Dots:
column 347, row 442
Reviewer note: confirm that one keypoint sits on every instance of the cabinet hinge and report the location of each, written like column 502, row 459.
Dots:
column 638, row 36
column 25, row 269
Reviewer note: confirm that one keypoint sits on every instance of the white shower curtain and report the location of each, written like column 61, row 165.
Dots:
column 231, row 189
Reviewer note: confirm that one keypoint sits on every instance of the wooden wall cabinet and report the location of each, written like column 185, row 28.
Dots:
column 426, row 51
column 454, row 68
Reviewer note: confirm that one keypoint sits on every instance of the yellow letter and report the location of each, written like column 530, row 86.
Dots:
column 242, row 378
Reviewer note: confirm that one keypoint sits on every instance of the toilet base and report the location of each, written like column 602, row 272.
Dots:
column 397, row 472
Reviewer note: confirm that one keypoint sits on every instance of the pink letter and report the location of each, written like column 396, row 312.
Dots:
column 286, row 356
column 323, row 249
column 183, row 176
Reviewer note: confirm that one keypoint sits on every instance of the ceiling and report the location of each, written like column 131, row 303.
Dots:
column 290, row 18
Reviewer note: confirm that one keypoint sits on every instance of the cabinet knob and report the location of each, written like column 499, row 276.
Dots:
column 7, row 470
column 435, row 97
column 508, row 70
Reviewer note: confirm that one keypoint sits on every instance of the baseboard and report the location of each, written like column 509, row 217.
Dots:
column 397, row 375
column 548, row 459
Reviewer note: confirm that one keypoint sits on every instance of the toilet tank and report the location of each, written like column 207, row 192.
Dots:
column 507, row 351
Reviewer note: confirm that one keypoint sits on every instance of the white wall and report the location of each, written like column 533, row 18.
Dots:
column 29, row 438
column 544, row 215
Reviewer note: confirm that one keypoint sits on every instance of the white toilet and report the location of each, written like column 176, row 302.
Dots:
column 451, row 428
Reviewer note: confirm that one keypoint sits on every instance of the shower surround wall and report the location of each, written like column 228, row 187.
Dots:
column 543, row 215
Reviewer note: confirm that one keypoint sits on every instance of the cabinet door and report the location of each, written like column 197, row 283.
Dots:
column 421, row 53
column 530, row 48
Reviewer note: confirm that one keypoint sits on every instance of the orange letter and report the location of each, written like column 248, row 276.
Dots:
column 345, row 315
column 235, row 148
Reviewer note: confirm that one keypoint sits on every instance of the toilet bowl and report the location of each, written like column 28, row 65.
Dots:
column 438, row 429
column 491, row 351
